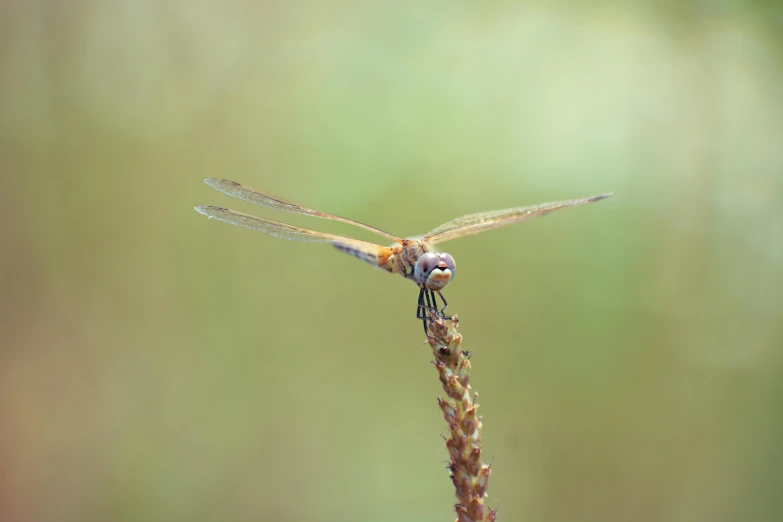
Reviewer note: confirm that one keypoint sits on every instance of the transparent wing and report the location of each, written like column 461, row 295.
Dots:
column 475, row 223
column 369, row 252
column 235, row 190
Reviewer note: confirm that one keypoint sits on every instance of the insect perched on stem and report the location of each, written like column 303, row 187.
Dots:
column 413, row 258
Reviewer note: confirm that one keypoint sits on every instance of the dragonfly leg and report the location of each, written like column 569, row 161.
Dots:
column 421, row 308
column 441, row 312
column 426, row 304
column 445, row 304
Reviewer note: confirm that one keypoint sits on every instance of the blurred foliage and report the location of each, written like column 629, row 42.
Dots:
column 156, row 366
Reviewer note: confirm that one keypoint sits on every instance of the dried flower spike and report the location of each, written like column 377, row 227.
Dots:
column 468, row 473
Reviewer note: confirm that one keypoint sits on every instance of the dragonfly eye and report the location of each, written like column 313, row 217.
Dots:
column 435, row 269
column 449, row 263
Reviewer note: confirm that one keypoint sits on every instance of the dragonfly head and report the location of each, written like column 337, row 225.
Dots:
column 435, row 271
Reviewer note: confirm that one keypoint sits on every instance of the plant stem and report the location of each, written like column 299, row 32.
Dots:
column 468, row 473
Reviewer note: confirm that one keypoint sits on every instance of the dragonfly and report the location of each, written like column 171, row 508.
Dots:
column 415, row 258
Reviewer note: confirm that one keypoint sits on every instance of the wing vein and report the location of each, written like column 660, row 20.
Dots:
column 238, row 191
column 368, row 252
column 479, row 222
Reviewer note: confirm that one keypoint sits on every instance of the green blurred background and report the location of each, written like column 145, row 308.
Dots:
column 159, row 366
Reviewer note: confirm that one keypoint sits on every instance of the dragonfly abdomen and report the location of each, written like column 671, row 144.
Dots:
column 377, row 258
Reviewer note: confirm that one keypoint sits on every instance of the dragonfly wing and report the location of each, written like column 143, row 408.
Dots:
column 235, row 190
column 368, row 252
column 475, row 223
